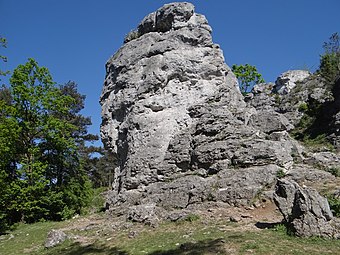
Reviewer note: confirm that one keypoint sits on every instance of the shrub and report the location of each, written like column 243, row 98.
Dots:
column 192, row 217
column 334, row 204
column 330, row 61
column 134, row 34
column 335, row 171
column 303, row 107
column 280, row 173
column 247, row 76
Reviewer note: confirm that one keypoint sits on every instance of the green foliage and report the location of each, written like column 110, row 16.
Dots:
column 280, row 173
column 97, row 201
column 3, row 44
column 303, row 107
column 134, row 34
column 280, row 228
column 334, row 204
column 41, row 165
column 334, row 171
column 316, row 125
column 101, row 168
column 312, row 128
column 330, row 61
column 283, row 229
column 247, row 76
column 192, row 217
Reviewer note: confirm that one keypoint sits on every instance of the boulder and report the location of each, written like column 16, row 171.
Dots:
column 306, row 213
column 143, row 214
column 55, row 237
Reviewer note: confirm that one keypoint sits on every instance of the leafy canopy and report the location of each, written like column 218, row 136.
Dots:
column 41, row 166
column 247, row 76
column 330, row 61
column 3, row 44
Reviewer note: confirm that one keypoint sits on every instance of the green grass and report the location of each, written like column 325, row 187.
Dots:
column 96, row 203
column 27, row 238
column 201, row 236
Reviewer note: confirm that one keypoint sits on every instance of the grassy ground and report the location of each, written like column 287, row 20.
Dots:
column 202, row 236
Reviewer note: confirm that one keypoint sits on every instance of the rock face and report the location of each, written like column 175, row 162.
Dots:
column 304, row 210
column 151, row 84
column 311, row 100
column 287, row 80
column 173, row 114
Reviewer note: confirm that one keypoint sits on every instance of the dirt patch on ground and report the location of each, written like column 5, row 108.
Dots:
column 89, row 229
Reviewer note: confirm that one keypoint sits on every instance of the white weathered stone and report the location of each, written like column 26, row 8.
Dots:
column 287, row 80
column 174, row 115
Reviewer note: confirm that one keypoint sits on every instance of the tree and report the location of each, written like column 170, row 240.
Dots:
column 247, row 76
column 3, row 44
column 42, row 176
column 330, row 61
column 101, row 168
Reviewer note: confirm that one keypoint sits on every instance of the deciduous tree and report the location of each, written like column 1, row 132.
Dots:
column 247, row 76
column 42, row 176
column 330, row 60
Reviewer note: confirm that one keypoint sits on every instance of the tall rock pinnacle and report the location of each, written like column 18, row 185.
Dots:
column 174, row 116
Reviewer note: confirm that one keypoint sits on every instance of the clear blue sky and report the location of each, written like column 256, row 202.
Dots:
column 74, row 38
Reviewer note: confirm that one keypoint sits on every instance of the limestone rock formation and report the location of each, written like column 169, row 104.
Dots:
column 183, row 133
column 312, row 100
column 173, row 113
column 287, row 80
column 305, row 212
column 151, row 83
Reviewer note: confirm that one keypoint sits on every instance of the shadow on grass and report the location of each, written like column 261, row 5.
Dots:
column 76, row 249
column 198, row 248
column 267, row 225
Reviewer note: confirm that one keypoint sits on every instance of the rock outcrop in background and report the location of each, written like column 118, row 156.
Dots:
column 184, row 135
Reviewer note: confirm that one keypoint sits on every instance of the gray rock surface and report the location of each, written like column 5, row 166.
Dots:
column 146, row 214
column 173, row 114
column 305, row 212
column 326, row 160
column 303, row 173
column 183, row 133
column 287, row 80
column 312, row 97
column 55, row 237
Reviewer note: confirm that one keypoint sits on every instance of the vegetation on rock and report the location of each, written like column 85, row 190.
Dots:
column 334, row 203
column 317, row 123
column 330, row 61
column 247, row 76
